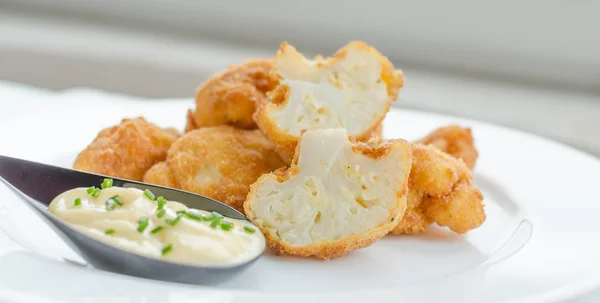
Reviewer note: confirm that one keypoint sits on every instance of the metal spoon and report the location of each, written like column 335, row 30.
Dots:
column 39, row 184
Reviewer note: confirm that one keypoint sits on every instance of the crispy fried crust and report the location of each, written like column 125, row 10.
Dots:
column 127, row 150
column 433, row 190
column 190, row 121
column 332, row 249
column 328, row 250
column 454, row 140
column 461, row 211
column 374, row 148
column 441, row 190
column 414, row 220
column 377, row 132
column 160, row 174
column 230, row 97
column 435, row 172
column 219, row 162
column 285, row 142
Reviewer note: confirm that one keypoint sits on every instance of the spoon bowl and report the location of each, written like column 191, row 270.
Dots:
column 38, row 184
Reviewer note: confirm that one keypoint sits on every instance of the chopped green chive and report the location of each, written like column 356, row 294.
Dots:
column 109, row 231
column 96, row 193
column 150, row 195
column 142, row 224
column 215, row 222
column 167, row 249
column 217, row 215
column 173, row 222
column 93, row 191
column 249, row 229
column 161, row 213
column 77, row 202
column 161, row 202
column 226, row 225
column 208, row 218
column 156, row 229
column 107, row 183
column 192, row 216
column 110, row 205
column 117, row 200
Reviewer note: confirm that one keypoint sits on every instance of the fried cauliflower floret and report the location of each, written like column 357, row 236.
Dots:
column 218, row 162
column 127, row 150
column 414, row 220
column 461, row 211
column 351, row 90
column 336, row 197
column 230, row 97
column 454, row 140
column 441, row 190
column 160, row 174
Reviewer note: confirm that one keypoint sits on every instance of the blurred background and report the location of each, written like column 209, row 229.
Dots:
column 530, row 65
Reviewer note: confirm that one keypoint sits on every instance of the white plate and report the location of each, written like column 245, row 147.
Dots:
column 539, row 243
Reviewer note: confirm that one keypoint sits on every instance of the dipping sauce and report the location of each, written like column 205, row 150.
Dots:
column 139, row 222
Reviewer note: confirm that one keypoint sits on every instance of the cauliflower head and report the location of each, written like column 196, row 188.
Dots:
column 351, row 90
column 219, row 162
column 337, row 196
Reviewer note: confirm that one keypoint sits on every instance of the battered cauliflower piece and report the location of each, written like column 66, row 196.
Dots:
column 441, row 190
column 336, row 197
column 414, row 220
column 230, row 97
column 461, row 211
column 351, row 90
column 160, row 174
column 218, row 162
column 454, row 140
column 127, row 150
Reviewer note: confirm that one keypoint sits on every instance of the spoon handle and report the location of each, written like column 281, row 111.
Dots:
column 42, row 182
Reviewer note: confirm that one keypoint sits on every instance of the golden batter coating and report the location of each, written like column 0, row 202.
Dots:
column 218, row 162
column 454, row 140
column 441, row 190
column 126, row 150
column 377, row 132
column 230, row 97
column 160, row 174
column 461, row 211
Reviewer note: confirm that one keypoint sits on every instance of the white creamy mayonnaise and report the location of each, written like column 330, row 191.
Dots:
column 174, row 233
